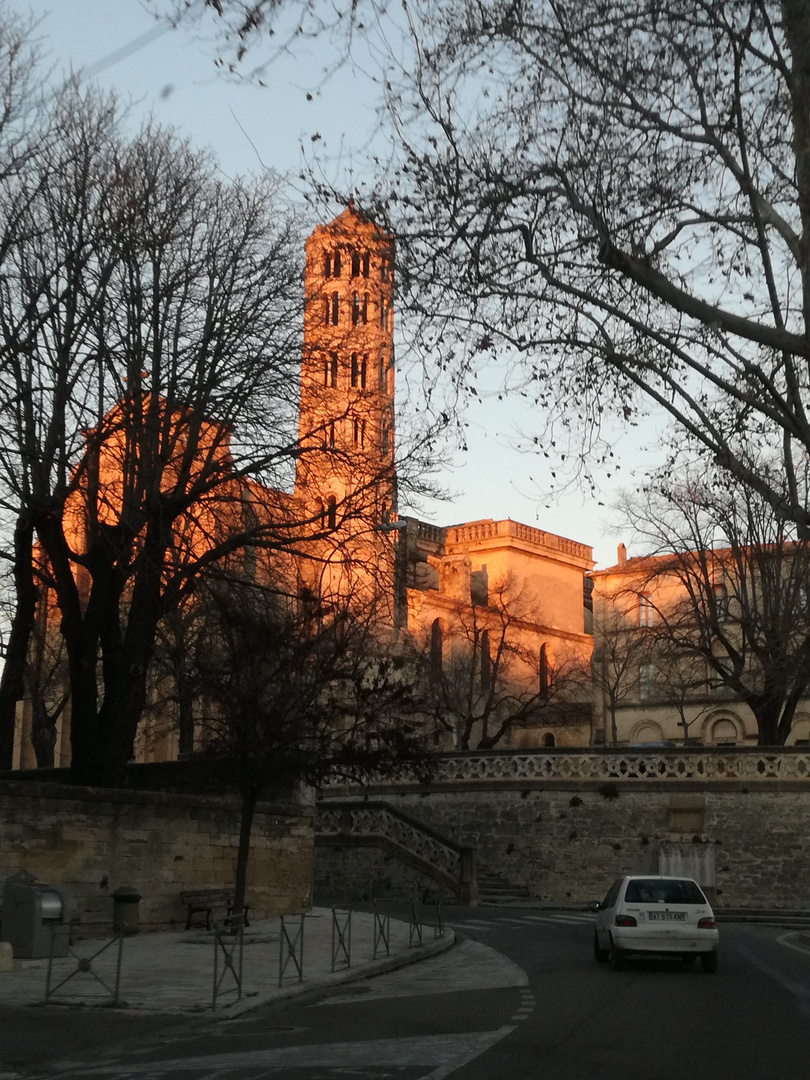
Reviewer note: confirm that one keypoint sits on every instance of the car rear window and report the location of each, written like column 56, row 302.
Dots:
column 650, row 891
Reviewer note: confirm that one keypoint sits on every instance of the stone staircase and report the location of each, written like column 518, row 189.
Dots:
column 494, row 889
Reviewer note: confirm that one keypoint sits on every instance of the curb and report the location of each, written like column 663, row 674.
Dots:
column 335, row 978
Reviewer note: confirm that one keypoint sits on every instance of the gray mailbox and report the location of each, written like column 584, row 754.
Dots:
column 33, row 911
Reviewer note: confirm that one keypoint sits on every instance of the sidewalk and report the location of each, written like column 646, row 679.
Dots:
column 172, row 972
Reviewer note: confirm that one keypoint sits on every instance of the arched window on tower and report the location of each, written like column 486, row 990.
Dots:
column 331, row 512
column 355, row 264
column 544, row 672
column 327, row 264
column 436, row 649
column 331, row 434
column 333, row 370
column 355, row 369
column 382, row 310
column 335, row 309
column 363, row 369
column 359, row 433
column 384, row 268
column 385, row 439
column 336, row 264
column 355, row 308
column 326, row 371
column 366, row 263
column 364, row 309
column 486, row 662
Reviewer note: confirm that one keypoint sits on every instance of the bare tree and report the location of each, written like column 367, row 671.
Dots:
column 615, row 195
column 620, row 647
column 150, row 320
column 728, row 589
column 493, row 674
column 297, row 689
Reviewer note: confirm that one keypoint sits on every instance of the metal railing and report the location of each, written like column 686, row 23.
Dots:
column 84, row 966
column 341, row 938
column 229, row 941
column 291, row 946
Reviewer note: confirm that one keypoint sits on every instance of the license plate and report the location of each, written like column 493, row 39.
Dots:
column 667, row 916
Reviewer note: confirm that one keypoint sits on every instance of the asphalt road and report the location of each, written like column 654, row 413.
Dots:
column 519, row 998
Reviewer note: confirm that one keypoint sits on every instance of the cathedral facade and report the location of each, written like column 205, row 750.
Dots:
column 496, row 609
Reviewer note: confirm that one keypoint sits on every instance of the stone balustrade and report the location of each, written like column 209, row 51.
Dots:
column 352, row 822
column 686, row 764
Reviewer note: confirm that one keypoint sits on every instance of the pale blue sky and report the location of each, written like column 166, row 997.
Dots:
column 249, row 127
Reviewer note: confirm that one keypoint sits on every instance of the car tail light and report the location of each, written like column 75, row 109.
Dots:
column 625, row 920
column 707, row 924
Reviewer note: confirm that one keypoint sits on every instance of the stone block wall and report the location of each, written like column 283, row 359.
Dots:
column 90, row 841
column 569, row 842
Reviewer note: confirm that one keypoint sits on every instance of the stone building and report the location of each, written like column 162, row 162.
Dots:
column 651, row 617
column 499, row 602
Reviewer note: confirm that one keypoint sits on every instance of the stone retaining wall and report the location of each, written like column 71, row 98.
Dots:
column 568, row 842
column 91, row 841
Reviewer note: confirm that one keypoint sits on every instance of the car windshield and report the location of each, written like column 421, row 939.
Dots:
column 652, row 891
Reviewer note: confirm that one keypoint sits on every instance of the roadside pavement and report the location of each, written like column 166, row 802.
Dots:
column 173, row 972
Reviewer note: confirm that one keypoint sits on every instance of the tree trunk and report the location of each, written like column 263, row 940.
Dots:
column 250, row 796
column 12, row 680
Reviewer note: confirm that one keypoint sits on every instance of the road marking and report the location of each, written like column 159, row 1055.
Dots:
column 440, row 1054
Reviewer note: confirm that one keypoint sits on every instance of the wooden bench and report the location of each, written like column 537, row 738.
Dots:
column 205, row 901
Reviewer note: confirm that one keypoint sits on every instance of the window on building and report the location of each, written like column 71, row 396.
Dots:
column 724, row 733
column 364, row 309
column 646, row 681
column 384, row 268
column 382, row 310
column 333, row 369
column 331, row 512
column 326, row 371
column 384, row 440
column 645, row 609
column 355, row 264
column 721, row 602
column 363, row 370
column 336, row 264
column 549, row 740
column 366, row 263
column 436, row 649
column 544, row 673
column 355, row 308
column 381, row 373
column 355, row 369
column 335, row 309
column 486, row 662
column 327, row 265
column 326, row 310
column 359, row 433
column 331, row 434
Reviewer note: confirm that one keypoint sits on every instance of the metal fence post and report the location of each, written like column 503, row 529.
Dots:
column 382, row 931
column 415, row 925
column 341, row 938
column 234, row 926
column 291, row 947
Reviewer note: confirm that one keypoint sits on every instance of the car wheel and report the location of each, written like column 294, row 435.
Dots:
column 600, row 953
column 708, row 961
column 617, row 959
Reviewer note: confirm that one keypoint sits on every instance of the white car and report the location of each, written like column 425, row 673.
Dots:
column 654, row 915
